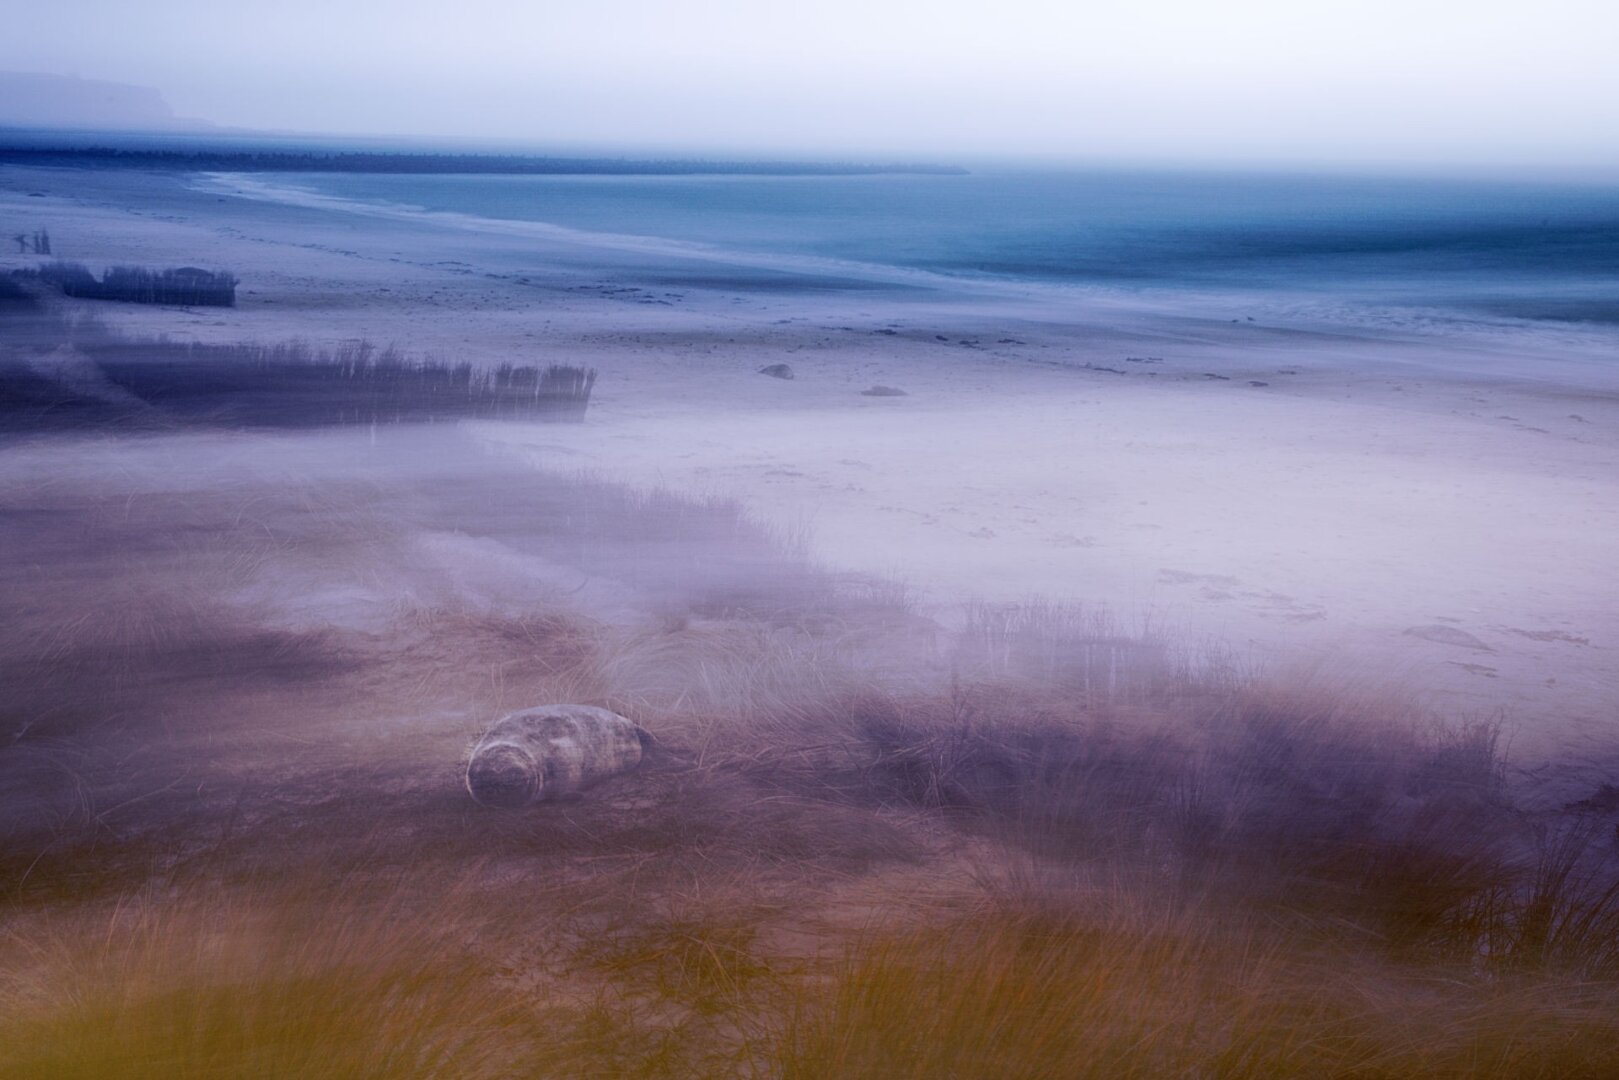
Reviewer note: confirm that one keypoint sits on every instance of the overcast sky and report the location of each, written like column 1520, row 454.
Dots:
column 1370, row 81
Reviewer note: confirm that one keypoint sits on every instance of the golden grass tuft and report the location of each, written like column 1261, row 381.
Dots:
column 268, row 982
column 1030, row 998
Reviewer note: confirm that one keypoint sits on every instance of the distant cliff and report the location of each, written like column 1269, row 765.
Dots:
column 35, row 100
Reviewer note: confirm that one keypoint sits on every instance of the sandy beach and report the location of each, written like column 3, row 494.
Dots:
column 1305, row 489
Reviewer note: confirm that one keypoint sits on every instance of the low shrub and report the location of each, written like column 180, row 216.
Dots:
column 185, row 285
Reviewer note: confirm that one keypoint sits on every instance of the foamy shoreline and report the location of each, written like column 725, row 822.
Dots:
column 1379, row 480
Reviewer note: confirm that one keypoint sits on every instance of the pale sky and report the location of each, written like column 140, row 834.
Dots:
column 1373, row 81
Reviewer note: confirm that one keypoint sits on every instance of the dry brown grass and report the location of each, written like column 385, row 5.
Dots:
column 332, row 981
column 1136, row 996
column 376, row 975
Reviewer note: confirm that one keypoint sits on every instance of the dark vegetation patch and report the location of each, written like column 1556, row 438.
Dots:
column 60, row 374
column 290, row 386
column 14, row 298
column 189, row 286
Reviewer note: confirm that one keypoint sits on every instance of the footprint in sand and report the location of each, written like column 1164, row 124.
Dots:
column 1217, row 588
column 1070, row 540
column 923, row 516
column 1448, row 635
column 1185, row 577
column 1281, row 606
column 1548, row 635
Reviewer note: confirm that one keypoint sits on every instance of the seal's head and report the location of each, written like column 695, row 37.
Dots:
column 504, row 775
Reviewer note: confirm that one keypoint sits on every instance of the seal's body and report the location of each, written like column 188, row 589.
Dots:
column 551, row 752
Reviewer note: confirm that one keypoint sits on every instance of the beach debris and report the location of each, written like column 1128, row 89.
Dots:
column 777, row 371
column 1259, row 382
column 1604, row 800
column 1448, row 635
column 39, row 243
column 551, row 752
column 883, row 391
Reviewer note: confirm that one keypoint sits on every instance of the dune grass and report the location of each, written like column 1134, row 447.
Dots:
column 242, row 677
column 330, row 982
column 186, row 285
column 65, row 373
column 1135, row 996
column 376, row 976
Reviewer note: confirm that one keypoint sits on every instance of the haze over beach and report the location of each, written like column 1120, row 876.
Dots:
column 1378, row 85
column 875, row 541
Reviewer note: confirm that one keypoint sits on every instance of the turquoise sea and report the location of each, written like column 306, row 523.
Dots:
column 1533, row 251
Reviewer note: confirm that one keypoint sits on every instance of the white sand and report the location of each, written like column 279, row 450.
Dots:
column 1389, row 475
